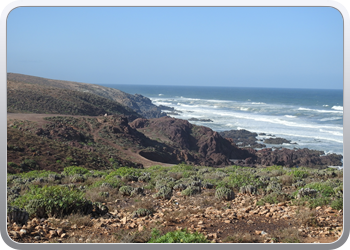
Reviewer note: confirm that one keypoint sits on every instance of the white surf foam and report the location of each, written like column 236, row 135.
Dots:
column 337, row 107
column 320, row 110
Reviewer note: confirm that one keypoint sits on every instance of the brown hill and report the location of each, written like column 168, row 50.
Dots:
column 33, row 98
column 138, row 103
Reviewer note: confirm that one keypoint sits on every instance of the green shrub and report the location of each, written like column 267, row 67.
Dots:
column 239, row 179
column 123, row 171
column 298, row 174
column 248, row 189
column 181, row 168
column 191, row 190
column 164, row 193
column 144, row 178
column 51, row 200
column 73, row 170
column 179, row 236
column 77, row 178
column 271, row 168
column 324, row 188
column 318, row 201
column 167, row 181
column 311, row 202
column 104, row 194
column 141, row 212
column 36, row 174
column 337, row 204
column 274, row 187
column 115, row 183
column 30, row 163
column 299, row 184
column 274, row 198
column 126, row 190
column 223, row 193
column 13, row 165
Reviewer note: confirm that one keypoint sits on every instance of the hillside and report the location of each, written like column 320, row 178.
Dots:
column 32, row 98
column 138, row 103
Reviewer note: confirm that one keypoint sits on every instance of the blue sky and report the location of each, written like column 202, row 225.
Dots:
column 292, row 47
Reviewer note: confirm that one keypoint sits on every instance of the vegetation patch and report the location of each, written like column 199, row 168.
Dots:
column 179, row 236
column 52, row 201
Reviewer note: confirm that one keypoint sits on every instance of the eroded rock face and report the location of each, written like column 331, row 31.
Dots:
column 192, row 144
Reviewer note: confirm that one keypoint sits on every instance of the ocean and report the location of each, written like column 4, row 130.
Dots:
column 312, row 118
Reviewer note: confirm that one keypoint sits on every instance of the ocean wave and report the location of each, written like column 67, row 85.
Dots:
column 216, row 100
column 160, row 94
column 277, row 121
column 190, row 99
column 331, row 132
column 320, row 110
column 337, row 107
column 258, row 103
column 244, row 109
column 306, row 136
column 330, row 119
column 164, row 103
column 290, row 116
column 325, row 105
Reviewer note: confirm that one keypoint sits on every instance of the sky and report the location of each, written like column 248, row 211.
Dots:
column 278, row 47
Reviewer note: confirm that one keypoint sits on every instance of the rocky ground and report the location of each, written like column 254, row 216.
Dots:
column 236, row 221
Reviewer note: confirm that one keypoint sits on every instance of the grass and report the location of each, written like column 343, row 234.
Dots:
column 178, row 236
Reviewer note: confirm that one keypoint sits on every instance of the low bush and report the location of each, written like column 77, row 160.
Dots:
column 126, row 190
column 274, row 198
column 181, row 168
column 239, row 179
column 74, row 170
column 298, row 174
column 141, row 212
column 191, row 190
column 51, row 201
column 164, row 193
column 124, row 171
column 274, row 187
column 324, row 188
column 37, row 174
column 179, row 236
column 223, row 193
column 337, row 204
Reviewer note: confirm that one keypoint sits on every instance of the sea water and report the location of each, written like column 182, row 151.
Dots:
column 311, row 118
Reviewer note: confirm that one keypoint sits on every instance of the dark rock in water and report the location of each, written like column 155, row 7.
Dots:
column 300, row 157
column 199, row 120
column 243, row 138
column 277, row 140
column 262, row 134
column 162, row 107
column 173, row 113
